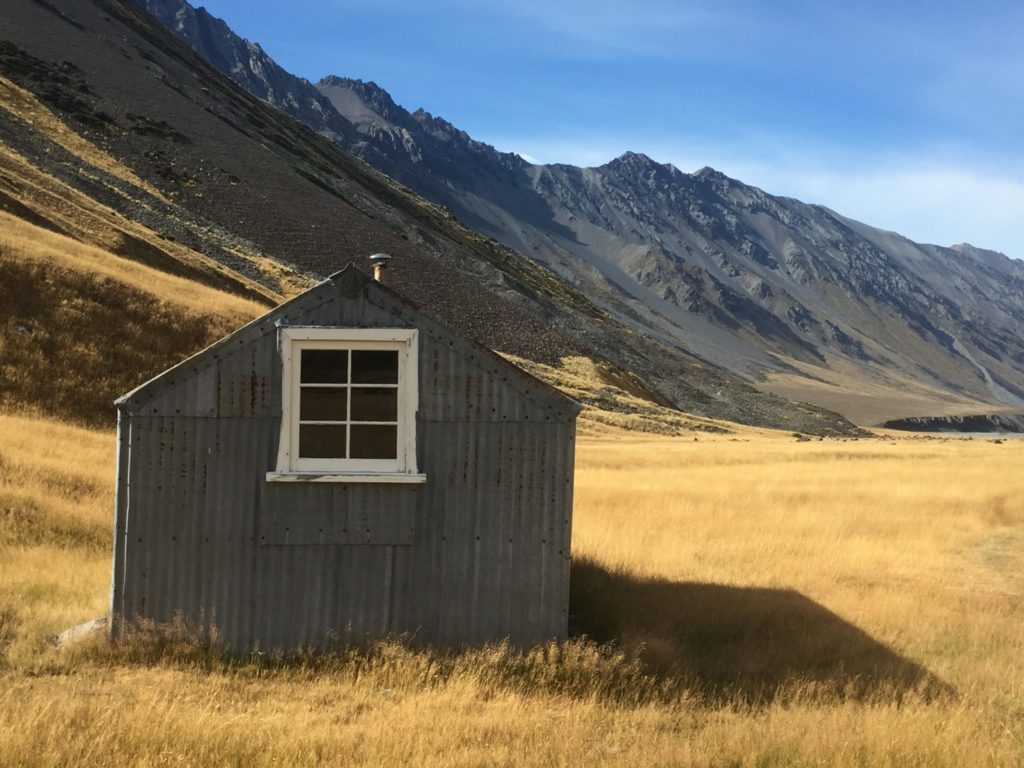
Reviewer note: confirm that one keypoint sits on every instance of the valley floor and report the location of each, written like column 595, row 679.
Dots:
column 771, row 602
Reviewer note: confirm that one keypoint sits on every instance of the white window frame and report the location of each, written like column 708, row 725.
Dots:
column 290, row 467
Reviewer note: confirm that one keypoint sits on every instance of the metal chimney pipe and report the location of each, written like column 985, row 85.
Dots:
column 380, row 267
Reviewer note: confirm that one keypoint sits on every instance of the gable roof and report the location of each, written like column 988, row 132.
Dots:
column 349, row 282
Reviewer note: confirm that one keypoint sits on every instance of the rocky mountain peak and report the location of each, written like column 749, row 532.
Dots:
column 188, row 22
column 635, row 169
column 630, row 160
column 371, row 94
column 438, row 126
column 707, row 173
column 638, row 165
column 248, row 65
column 726, row 186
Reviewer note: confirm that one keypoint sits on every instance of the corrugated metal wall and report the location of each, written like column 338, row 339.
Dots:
column 480, row 552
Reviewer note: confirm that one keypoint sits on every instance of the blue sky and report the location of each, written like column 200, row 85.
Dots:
column 905, row 115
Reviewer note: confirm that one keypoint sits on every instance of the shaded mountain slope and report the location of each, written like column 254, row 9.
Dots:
column 153, row 155
column 795, row 295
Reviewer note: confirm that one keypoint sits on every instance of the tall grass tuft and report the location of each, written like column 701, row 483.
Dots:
column 578, row 669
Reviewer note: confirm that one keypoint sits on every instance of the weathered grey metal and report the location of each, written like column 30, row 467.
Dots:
column 479, row 552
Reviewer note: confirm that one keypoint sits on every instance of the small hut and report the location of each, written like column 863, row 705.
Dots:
column 344, row 467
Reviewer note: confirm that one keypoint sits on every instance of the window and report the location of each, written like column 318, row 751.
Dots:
column 349, row 399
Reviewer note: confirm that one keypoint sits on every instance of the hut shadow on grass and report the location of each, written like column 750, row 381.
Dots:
column 742, row 644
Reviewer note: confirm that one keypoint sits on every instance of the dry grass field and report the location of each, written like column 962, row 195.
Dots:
column 756, row 601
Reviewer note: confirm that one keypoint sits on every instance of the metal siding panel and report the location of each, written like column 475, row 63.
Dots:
column 443, row 445
column 176, row 436
column 531, row 555
column 337, row 619
column 192, row 522
column 480, row 604
column 458, row 386
column 134, row 564
column 269, row 576
column 511, row 493
column 457, row 549
column 524, row 582
column 486, row 589
column 222, row 458
column 245, row 376
column 206, row 392
column 221, row 513
column 401, row 619
column 134, row 554
column 495, row 528
column 558, row 580
column 419, row 597
column 549, row 542
column 305, row 596
column 302, row 514
column 141, row 534
column 214, row 527
column 121, row 505
column 253, row 433
column 568, row 480
column 430, row 361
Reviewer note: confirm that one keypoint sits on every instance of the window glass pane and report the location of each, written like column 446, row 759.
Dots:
column 374, row 404
column 323, row 404
column 374, row 442
column 322, row 441
column 324, row 366
column 374, row 367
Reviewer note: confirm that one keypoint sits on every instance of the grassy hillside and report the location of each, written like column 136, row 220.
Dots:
column 771, row 602
column 93, row 303
column 80, row 326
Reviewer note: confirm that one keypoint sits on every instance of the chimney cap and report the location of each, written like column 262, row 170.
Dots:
column 380, row 259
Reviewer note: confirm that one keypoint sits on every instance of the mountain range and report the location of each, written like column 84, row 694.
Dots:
column 796, row 297
column 122, row 149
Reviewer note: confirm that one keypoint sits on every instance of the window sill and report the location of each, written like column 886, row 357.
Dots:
column 346, row 477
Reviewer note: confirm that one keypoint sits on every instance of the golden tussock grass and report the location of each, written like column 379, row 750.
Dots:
column 80, row 326
column 616, row 401
column 43, row 199
column 768, row 602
